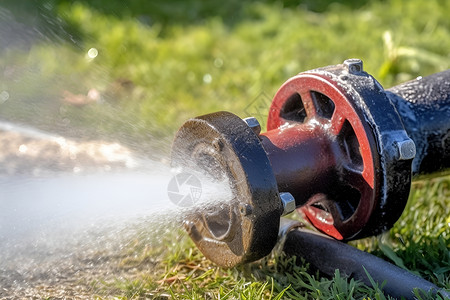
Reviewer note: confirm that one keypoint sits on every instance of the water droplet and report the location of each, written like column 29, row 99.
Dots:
column 92, row 53
column 207, row 78
column 23, row 148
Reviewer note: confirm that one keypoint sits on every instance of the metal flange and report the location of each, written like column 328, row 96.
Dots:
column 335, row 147
column 368, row 186
column 245, row 228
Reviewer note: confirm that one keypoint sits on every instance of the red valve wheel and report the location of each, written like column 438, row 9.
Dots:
column 315, row 102
column 336, row 144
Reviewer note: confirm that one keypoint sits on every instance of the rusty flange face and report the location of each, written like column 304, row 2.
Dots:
column 245, row 228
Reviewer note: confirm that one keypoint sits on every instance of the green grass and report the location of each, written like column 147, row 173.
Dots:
column 419, row 242
column 160, row 63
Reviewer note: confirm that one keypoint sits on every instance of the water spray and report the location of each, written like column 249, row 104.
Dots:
column 338, row 148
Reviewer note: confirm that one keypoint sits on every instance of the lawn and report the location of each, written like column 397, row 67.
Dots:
column 135, row 71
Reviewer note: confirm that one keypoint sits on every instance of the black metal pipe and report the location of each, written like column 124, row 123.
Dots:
column 424, row 107
column 327, row 255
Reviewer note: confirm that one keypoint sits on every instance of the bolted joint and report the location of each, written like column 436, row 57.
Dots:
column 288, row 203
column 406, row 149
column 253, row 123
column 354, row 65
column 245, row 209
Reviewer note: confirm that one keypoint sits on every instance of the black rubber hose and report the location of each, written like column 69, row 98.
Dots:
column 424, row 107
column 327, row 255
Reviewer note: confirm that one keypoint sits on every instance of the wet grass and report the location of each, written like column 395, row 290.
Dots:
column 138, row 71
column 419, row 242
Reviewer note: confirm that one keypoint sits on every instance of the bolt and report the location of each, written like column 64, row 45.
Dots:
column 192, row 230
column 354, row 65
column 245, row 209
column 406, row 149
column 218, row 144
column 288, row 203
column 253, row 123
column 188, row 225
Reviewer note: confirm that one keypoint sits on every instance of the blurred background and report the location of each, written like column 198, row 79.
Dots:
column 134, row 71
column 103, row 82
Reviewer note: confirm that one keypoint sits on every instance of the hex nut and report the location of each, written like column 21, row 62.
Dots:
column 188, row 226
column 354, row 65
column 245, row 209
column 253, row 123
column 406, row 149
column 288, row 202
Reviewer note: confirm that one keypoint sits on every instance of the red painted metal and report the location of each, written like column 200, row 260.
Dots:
column 307, row 157
column 341, row 145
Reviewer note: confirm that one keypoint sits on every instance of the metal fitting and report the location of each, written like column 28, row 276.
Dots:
column 288, row 203
column 406, row 149
column 354, row 65
column 188, row 226
column 253, row 123
column 218, row 144
column 245, row 209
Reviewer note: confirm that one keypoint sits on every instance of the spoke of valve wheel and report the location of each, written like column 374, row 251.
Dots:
column 346, row 226
column 337, row 122
column 308, row 104
column 354, row 178
column 335, row 212
column 357, row 181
